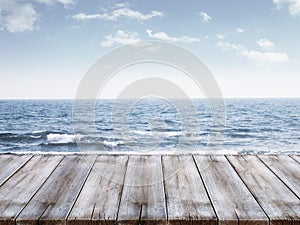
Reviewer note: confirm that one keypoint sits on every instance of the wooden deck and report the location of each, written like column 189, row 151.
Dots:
column 156, row 189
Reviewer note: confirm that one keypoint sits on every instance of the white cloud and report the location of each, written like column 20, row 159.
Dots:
column 227, row 45
column 257, row 56
column 17, row 16
column 66, row 3
column 292, row 5
column 265, row 44
column 121, row 37
column 83, row 16
column 205, row 17
column 166, row 37
column 122, row 4
column 265, row 57
column 122, row 11
column 220, row 36
column 240, row 30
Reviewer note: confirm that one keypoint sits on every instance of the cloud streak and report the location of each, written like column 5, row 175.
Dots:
column 205, row 17
column 165, row 37
column 66, row 3
column 121, row 37
column 256, row 56
column 123, row 12
column 240, row 30
column 265, row 44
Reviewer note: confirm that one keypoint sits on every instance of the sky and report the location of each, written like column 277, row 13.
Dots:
column 251, row 47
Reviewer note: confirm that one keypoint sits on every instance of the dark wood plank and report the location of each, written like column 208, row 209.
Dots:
column 143, row 197
column 280, row 204
column 187, row 200
column 9, row 164
column 232, row 201
column 20, row 188
column 286, row 168
column 54, row 200
column 296, row 157
column 99, row 199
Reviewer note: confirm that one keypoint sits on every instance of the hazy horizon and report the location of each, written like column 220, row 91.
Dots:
column 99, row 99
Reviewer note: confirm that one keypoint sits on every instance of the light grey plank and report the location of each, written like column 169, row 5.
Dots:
column 143, row 197
column 20, row 188
column 187, row 200
column 52, row 203
column 9, row 164
column 100, row 196
column 231, row 199
column 286, row 168
column 275, row 198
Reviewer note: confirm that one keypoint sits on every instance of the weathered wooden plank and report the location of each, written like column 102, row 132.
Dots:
column 50, row 198
column 231, row 199
column 286, row 168
column 296, row 157
column 52, row 203
column 19, row 189
column 187, row 200
column 143, row 197
column 9, row 164
column 280, row 204
column 99, row 199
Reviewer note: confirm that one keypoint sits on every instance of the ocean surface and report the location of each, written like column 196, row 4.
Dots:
column 252, row 126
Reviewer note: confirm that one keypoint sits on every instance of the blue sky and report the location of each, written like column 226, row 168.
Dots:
column 251, row 47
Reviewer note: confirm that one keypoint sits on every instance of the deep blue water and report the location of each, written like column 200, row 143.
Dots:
column 252, row 126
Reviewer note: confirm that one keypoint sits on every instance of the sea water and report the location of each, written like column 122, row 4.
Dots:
column 251, row 126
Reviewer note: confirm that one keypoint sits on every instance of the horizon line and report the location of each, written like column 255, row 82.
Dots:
column 267, row 97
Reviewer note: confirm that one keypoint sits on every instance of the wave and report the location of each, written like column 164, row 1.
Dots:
column 169, row 121
column 241, row 135
column 14, row 138
column 141, row 132
column 63, row 138
column 35, row 137
column 172, row 133
column 38, row 131
column 159, row 133
column 113, row 143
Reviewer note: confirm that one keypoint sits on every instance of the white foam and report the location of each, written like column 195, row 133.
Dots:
column 63, row 138
column 38, row 131
column 35, row 137
column 140, row 132
column 113, row 143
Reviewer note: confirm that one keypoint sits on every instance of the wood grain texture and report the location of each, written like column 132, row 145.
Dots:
column 143, row 197
column 187, row 200
column 232, row 201
column 280, row 204
column 52, row 203
column 99, row 199
column 9, row 164
column 140, row 189
column 296, row 157
column 286, row 168
column 19, row 189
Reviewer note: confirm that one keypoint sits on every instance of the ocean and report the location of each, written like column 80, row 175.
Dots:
column 260, row 126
